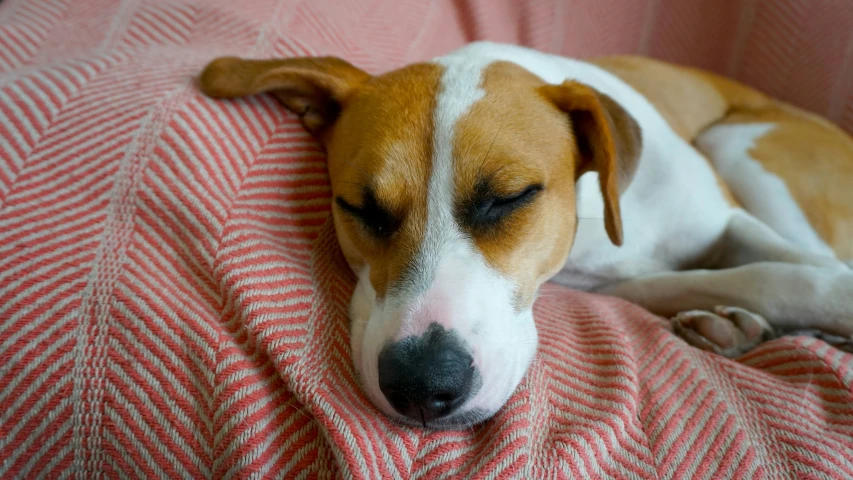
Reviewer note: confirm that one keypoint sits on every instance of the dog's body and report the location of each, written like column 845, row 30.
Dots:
column 461, row 185
column 777, row 156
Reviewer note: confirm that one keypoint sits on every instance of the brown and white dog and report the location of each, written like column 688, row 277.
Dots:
column 462, row 184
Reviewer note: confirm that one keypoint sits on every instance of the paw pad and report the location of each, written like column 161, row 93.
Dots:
column 728, row 331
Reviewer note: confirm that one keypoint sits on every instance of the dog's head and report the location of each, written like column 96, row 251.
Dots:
column 454, row 200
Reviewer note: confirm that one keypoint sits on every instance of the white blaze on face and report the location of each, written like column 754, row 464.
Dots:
column 449, row 282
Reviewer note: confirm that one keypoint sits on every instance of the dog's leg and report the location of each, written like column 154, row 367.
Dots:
column 748, row 240
column 770, row 298
column 758, row 286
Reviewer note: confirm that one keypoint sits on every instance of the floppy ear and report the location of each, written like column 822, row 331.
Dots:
column 608, row 141
column 314, row 88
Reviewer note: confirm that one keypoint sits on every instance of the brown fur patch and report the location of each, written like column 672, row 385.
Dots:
column 314, row 88
column 383, row 140
column 688, row 99
column 516, row 137
column 687, row 102
column 815, row 160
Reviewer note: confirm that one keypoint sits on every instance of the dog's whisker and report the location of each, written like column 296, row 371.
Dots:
column 486, row 156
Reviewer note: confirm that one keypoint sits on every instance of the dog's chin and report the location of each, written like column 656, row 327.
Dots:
column 476, row 411
column 458, row 421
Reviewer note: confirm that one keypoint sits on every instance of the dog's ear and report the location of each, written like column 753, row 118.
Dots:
column 314, row 88
column 607, row 139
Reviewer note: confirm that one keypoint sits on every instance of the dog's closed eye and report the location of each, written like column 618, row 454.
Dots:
column 487, row 209
column 377, row 220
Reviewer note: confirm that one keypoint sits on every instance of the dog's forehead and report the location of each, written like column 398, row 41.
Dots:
column 394, row 132
column 384, row 136
column 511, row 132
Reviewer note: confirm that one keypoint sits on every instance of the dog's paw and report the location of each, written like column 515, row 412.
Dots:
column 728, row 331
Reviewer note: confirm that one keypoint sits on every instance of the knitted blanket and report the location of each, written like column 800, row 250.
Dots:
column 173, row 301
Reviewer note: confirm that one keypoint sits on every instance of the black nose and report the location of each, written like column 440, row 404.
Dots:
column 426, row 377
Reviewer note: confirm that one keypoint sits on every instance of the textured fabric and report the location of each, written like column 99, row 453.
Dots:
column 173, row 301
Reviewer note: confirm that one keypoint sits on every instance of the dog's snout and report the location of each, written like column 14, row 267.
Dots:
column 426, row 377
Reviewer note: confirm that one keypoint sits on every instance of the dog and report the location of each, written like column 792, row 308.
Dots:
column 462, row 184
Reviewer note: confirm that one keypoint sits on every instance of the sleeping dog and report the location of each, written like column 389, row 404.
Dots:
column 461, row 185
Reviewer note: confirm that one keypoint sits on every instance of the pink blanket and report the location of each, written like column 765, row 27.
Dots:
column 173, row 301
